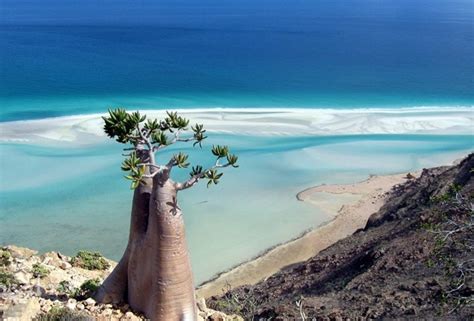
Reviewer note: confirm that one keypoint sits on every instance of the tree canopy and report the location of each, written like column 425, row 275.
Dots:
column 148, row 136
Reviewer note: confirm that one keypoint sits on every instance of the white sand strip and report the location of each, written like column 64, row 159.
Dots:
column 261, row 121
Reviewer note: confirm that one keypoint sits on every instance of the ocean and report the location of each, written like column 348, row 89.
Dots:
column 64, row 58
column 354, row 53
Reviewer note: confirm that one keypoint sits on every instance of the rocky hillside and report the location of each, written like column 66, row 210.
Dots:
column 414, row 260
column 55, row 287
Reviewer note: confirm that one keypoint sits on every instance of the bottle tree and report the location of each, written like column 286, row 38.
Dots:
column 154, row 275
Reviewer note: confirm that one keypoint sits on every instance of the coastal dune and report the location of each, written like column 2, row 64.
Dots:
column 350, row 205
column 83, row 129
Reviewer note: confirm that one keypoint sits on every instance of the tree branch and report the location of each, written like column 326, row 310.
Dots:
column 195, row 178
column 173, row 141
column 146, row 140
column 150, row 165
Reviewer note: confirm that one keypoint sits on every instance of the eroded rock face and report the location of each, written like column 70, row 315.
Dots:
column 31, row 296
column 391, row 269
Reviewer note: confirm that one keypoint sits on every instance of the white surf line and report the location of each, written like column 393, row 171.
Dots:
column 263, row 122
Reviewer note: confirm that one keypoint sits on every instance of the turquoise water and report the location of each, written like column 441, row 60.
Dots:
column 72, row 198
column 344, row 54
column 79, row 57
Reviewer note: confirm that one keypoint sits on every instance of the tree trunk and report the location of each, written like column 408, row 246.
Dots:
column 154, row 275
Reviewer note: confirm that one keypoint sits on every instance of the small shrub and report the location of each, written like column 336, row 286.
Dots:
column 243, row 303
column 62, row 314
column 452, row 225
column 90, row 261
column 40, row 271
column 7, row 279
column 87, row 289
column 5, row 257
column 66, row 288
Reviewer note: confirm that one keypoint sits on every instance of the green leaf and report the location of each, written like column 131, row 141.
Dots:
column 181, row 159
column 220, row 151
column 173, row 121
column 160, row 138
column 134, row 184
column 196, row 170
column 152, row 126
column 118, row 126
column 232, row 160
column 198, row 135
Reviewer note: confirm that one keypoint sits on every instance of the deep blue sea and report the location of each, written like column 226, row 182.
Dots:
column 67, row 57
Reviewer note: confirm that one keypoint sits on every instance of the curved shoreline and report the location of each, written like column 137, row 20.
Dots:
column 350, row 217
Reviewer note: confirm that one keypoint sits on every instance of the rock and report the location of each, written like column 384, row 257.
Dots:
column 217, row 316
column 201, row 304
column 410, row 176
column 38, row 290
column 89, row 301
column 129, row 316
column 125, row 307
column 107, row 312
column 24, row 310
column 23, row 277
column 71, row 304
column 39, row 295
column 20, row 252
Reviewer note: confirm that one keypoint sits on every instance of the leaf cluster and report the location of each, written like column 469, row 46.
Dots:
column 213, row 176
column 223, row 152
column 122, row 126
column 174, row 122
column 199, row 134
column 152, row 135
column 181, row 160
column 136, row 172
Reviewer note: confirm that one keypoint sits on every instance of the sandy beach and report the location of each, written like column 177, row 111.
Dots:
column 350, row 206
column 85, row 129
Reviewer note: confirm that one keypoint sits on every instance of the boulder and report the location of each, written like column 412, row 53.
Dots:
column 24, row 310
column 71, row 304
column 129, row 316
column 89, row 301
column 20, row 252
column 23, row 277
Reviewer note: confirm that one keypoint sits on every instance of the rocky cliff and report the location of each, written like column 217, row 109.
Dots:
column 413, row 260
column 54, row 287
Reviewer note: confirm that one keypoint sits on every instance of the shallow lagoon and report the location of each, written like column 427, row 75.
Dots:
column 73, row 197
